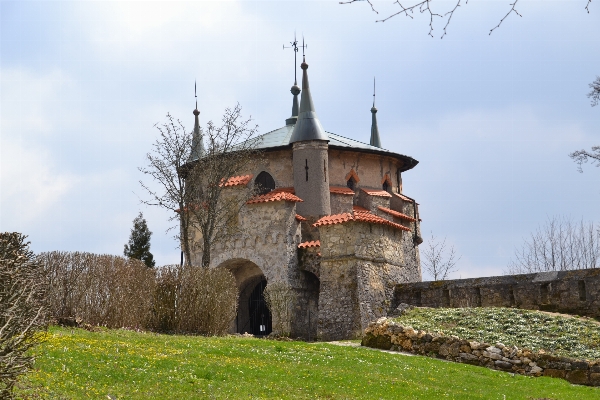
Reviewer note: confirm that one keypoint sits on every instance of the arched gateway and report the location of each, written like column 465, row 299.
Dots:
column 253, row 315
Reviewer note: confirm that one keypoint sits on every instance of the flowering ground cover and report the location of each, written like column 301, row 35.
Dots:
column 121, row 364
column 564, row 336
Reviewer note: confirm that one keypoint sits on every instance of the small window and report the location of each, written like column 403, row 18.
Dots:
column 386, row 186
column 351, row 183
column 264, row 183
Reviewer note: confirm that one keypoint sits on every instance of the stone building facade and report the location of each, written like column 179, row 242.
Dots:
column 331, row 222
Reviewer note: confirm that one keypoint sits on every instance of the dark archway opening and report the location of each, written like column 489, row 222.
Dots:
column 264, row 183
column 260, row 317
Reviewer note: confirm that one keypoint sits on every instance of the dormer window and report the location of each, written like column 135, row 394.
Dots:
column 264, row 183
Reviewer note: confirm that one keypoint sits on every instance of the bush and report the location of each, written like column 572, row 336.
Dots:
column 98, row 289
column 194, row 300
column 22, row 313
column 117, row 292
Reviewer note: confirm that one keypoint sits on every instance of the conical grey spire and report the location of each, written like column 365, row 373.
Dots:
column 295, row 91
column 375, row 141
column 308, row 126
column 197, row 143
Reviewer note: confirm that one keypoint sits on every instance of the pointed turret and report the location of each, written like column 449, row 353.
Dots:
column 197, row 143
column 295, row 91
column 375, row 141
column 308, row 126
column 310, row 159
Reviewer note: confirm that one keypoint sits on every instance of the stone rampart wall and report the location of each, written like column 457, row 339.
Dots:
column 389, row 335
column 572, row 292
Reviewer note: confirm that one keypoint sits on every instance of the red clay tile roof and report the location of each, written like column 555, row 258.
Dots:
column 284, row 189
column 360, row 216
column 237, row 180
column 340, row 190
column 300, row 218
column 334, row 219
column 359, row 209
column 314, row 243
column 404, row 198
column 274, row 195
column 397, row 214
column 375, row 192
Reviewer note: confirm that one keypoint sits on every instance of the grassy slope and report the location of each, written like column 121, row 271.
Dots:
column 127, row 365
column 571, row 337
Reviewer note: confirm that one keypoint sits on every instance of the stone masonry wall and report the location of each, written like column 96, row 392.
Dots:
column 371, row 168
column 389, row 335
column 360, row 264
column 573, row 292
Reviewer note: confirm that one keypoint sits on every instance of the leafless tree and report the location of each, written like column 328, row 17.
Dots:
column 427, row 7
column 212, row 202
column 594, row 94
column 166, row 162
column 438, row 260
column 22, row 312
column 583, row 156
column 560, row 245
column 280, row 299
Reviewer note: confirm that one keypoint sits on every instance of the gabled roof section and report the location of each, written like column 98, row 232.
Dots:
column 358, row 215
column 341, row 190
column 396, row 214
column 237, row 180
column 275, row 195
column 375, row 192
column 313, row 243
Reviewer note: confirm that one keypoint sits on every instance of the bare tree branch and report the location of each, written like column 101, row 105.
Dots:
column 594, row 94
column 425, row 7
column 512, row 10
column 439, row 261
column 214, row 206
column 583, row 156
column 560, row 245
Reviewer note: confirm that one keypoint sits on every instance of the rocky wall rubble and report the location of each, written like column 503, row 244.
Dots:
column 389, row 335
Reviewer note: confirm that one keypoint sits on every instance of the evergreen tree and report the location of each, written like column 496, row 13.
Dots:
column 139, row 242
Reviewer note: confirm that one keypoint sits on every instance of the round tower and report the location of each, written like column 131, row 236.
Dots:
column 310, row 157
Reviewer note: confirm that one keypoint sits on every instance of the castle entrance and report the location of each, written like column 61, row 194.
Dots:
column 253, row 315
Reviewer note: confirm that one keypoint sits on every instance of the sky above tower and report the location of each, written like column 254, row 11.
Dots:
column 491, row 118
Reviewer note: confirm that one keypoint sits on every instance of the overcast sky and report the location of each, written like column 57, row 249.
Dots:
column 491, row 119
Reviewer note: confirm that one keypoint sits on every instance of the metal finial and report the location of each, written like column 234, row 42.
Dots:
column 195, row 95
column 294, row 46
column 304, row 46
column 373, row 91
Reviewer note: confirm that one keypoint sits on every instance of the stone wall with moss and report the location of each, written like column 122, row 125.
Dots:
column 572, row 292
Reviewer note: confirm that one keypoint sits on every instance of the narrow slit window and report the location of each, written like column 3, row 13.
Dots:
column 325, row 170
column 306, row 168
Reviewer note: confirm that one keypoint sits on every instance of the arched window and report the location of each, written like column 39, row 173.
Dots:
column 386, row 186
column 386, row 183
column 264, row 183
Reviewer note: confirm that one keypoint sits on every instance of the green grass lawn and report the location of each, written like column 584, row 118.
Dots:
column 564, row 336
column 77, row 364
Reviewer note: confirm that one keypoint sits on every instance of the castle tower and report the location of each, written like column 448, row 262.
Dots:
column 310, row 159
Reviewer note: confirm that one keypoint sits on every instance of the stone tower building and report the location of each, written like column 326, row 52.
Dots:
column 331, row 222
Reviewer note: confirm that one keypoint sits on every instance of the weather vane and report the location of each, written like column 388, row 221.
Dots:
column 294, row 46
